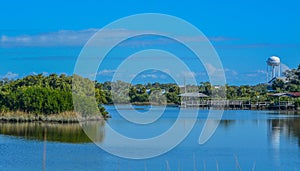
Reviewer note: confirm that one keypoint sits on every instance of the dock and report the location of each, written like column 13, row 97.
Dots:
column 238, row 104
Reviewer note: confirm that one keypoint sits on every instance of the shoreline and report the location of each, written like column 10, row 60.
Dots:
column 281, row 111
column 226, row 107
column 64, row 117
column 72, row 117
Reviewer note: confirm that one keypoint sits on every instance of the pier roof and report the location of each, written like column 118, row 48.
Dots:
column 290, row 94
column 294, row 94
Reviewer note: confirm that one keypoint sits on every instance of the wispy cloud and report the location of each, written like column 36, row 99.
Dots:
column 106, row 72
column 256, row 74
column 211, row 69
column 187, row 74
column 10, row 75
column 152, row 74
column 256, row 45
column 149, row 76
column 80, row 37
column 222, row 38
column 59, row 38
column 284, row 68
column 46, row 58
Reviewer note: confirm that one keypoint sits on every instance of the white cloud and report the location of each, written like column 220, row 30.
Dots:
column 59, row 38
column 163, row 76
column 33, row 73
column 212, row 70
column 252, row 75
column 80, row 37
column 211, row 38
column 231, row 72
column 284, row 68
column 68, row 38
column 106, row 72
column 149, row 76
column 257, row 73
column 10, row 75
column 261, row 71
column 190, row 74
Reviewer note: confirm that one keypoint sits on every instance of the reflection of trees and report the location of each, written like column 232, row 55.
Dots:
column 294, row 128
column 68, row 133
column 289, row 127
column 95, row 130
column 226, row 123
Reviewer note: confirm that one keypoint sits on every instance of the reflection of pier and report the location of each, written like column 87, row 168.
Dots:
column 285, row 105
column 275, row 128
column 289, row 127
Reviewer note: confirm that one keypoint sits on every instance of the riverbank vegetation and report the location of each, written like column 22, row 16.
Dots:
column 121, row 92
column 40, row 97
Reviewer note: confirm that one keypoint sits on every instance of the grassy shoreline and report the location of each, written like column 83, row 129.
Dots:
column 73, row 117
column 64, row 117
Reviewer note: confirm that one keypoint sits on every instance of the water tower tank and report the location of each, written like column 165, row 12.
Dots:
column 273, row 61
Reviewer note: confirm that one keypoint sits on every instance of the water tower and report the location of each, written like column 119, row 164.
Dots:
column 273, row 68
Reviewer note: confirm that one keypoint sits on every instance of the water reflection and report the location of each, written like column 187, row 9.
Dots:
column 226, row 123
column 66, row 133
column 289, row 127
column 95, row 130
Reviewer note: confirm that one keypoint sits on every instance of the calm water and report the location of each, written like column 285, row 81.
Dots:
column 245, row 140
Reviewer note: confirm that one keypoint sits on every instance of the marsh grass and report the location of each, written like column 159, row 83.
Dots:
column 64, row 117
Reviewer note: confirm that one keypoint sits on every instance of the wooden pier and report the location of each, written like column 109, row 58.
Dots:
column 200, row 100
column 238, row 104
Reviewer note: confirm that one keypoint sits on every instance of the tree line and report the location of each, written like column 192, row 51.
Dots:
column 52, row 94
column 156, row 93
column 40, row 94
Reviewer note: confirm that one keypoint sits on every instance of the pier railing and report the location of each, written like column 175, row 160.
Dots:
column 239, row 104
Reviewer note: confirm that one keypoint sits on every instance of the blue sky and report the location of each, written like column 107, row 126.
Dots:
column 244, row 33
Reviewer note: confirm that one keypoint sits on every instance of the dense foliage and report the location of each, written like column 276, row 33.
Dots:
column 40, row 94
column 156, row 93
column 292, row 82
column 123, row 93
column 52, row 94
